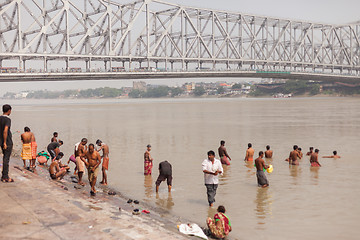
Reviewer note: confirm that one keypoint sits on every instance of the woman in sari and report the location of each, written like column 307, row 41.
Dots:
column 220, row 226
column 148, row 161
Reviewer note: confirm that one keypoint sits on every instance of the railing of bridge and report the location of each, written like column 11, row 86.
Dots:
column 152, row 34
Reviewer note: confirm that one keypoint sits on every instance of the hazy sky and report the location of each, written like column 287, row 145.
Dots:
column 322, row 11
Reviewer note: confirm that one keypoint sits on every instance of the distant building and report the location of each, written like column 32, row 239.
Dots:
column 139, row 85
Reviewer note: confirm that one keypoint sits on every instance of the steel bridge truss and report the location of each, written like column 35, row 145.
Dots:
column 153, row 33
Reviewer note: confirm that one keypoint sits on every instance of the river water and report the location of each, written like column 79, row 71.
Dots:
column 301, row 203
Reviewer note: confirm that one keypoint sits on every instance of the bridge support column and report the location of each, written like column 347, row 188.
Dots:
column 67, row 65
column 24, row 65
column 1, row 63
column 45, row 64
column 129, row 64
column 187, row 65
column 20, row 62
column 172, row 65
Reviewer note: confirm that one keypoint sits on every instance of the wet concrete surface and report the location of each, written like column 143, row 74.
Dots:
column 36, row 207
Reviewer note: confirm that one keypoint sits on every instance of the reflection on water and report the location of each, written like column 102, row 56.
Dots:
column 149, row 190
column 164, row 201
column 314, row 175
column 294, row 170
column 263, row 206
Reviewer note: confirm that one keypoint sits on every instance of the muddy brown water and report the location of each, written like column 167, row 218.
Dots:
column 301, row 202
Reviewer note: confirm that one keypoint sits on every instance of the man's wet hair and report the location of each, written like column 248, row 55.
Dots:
column 55, row 134
column 249, row 145
column 61, row 142
column 311, row 148
column 295, row 147
column 334, row 152
column 84, row 140
column 221, row 209
column 6, row 108
column 299, row 149
column 91, row 144
column 27, row 129
column 98, row 141
column 222, row 142
column 316, row 150
column 268, row 147
column 261, row 153
column 211, row 153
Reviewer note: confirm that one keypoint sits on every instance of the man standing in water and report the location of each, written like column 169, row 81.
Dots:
column 211, row 168
column 294, row 155
column 105, row 165
column 260, row 166
column 314, row 159
column 224, row 156
column 92, row 165
column 268, row 152
column 6, row 142
column 310, row 151
column 148, row 161
column 80, row 150
column 26, row 147
column 249, row 153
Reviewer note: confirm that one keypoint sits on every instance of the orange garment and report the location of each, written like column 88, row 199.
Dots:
column 33, row 150
column 105, row 163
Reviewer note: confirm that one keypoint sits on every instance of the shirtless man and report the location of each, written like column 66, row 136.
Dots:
column 54, row 138
column 56, row 172
column 314, row 159
column 335, row 156
column 80, row 150
column 310, row 151
column 294, row 155
column 92, row 164
column 249, row 153
column 105, row 165
column 300, row 153
column 224, row 156
column 268, row 152
column 260, row 165
column 26, row 147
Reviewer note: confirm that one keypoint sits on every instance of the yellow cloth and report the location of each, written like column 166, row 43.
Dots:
column 26, row 151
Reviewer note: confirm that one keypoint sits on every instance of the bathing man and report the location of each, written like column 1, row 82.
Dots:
column 260, row 165
column 224, row 156
column 92, row 164
column 249, row 153
column 105, row 165
column 80, row 150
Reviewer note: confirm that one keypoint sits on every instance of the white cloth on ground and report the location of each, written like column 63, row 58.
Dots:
column 192, row 229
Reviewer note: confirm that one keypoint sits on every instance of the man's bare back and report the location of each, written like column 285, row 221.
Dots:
column 268, row 154
column 249, row 154
column 293, row 158
column 26, row 137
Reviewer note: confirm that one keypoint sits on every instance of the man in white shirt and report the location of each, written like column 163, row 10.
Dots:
column 212, row 168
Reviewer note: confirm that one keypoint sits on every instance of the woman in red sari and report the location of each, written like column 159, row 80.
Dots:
column 220, row 226
column 148, row 161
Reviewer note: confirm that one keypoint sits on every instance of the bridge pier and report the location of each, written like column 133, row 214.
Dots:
column 105, row 65
column 45, row 64
column 67, row 64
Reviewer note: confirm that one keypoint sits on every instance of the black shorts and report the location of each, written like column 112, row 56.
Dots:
column 52, row 154
column 162, row 178
column 53, row 176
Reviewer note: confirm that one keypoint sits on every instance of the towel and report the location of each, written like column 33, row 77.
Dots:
column 192, row 229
